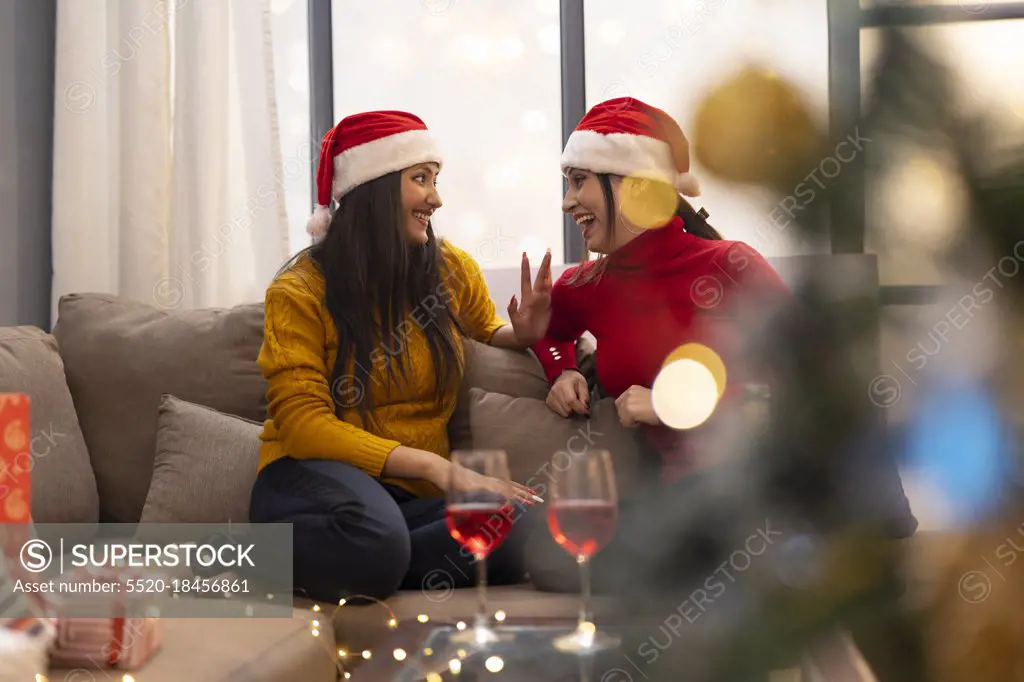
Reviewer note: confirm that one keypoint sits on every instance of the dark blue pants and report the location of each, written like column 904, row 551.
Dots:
column 353, row 534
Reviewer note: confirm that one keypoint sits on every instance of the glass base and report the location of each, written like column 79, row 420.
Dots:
column 586, row 640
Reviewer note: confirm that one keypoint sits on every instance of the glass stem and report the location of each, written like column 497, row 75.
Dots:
column 481, row 590
column 585, row 589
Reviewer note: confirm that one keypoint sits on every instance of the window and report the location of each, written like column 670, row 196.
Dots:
column 670, row 54
column 485, row 77
column 915, row 204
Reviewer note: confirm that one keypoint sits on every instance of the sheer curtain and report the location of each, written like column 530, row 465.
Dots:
column 167, row 162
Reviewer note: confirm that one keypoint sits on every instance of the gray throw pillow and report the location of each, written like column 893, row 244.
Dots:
column 204, row 467
column 121, row 356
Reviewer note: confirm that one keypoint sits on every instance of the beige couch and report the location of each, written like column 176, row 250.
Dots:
column 110, row 444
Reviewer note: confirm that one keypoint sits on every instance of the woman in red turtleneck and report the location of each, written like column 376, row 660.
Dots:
column 654, row 288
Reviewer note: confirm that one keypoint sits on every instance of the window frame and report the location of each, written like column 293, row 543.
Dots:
column 846, row 20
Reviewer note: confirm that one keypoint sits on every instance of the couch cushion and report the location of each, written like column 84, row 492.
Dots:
column 232, row 650
column 516, row 373
column 532, row 434
column 121, row 357
column 204, row 467
column 63, row 484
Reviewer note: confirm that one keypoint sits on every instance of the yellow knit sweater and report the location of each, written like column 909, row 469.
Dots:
column 298, row 354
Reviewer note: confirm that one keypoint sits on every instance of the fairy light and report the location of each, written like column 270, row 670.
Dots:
column 316, row 607
column 348, row 675
column 341, row 602
column 342, row 653
column 461, row 653
column 316, row 633
column 392, row 623
column 460, row 626
column 494, row 664
column 41, row 678
column 428, row 651
column 367, row 654
column 316, row 623
column 455, row 665
column 423, row 618
column 399, row 654
column 127, row 678
column 434, row 677
column 499, row 616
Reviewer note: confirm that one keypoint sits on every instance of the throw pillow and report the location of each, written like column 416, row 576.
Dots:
column 122, row 356
column 532, row 435
column 204, row 467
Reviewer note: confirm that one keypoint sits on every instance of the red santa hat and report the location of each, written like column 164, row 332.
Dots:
column 364, row 147
column 624, row 136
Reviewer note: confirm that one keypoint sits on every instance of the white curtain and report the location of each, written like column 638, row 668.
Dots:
column 167, row 163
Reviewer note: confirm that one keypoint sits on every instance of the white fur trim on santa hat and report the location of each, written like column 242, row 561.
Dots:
column 318, row 223
column 375, row 159
column 687, row 185
column 626, row 154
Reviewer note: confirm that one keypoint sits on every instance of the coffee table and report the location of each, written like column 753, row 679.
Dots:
column 525, row 652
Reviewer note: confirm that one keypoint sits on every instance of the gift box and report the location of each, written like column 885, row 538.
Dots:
column 122, row 643
column 15, row 459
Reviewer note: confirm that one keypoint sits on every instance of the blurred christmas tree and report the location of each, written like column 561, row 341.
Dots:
column 808, row 485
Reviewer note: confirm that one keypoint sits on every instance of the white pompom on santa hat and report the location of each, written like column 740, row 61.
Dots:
column 364, row 147
column 624, row 136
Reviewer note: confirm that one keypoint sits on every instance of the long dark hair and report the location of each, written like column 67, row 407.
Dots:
column 373, row 280
column 695, row 222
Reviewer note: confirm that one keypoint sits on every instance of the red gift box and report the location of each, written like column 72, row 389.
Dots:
column 123, row 643
column 15, row 459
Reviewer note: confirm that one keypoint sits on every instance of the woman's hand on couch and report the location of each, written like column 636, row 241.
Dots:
column 569, row 394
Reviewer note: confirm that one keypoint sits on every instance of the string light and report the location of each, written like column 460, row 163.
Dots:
column 342, row 653
column 341, row 602
column 428, row 651
column 399, row 654
column 316, row 607
column 367, row 653
column 348, row 675
column 499, row 616
column 392, row 623
column 316, row 633
column 423, row 618
column 316, row 623
column 434, row 677
column 494, row 664
column 127, row 678
column 455, row 665
column 41, row 678
column 460, row 626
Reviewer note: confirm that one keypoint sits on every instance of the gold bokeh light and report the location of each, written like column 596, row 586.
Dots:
column 705, row 356
column 684, row 394
column 647, row 203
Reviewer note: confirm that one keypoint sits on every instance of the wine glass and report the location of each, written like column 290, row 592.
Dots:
column 479, row 520
column 582, row 518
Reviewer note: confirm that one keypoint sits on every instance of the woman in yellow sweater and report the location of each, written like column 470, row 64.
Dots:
column 363, row 353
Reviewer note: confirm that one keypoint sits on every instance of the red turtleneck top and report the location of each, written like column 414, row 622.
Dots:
column 663, row 289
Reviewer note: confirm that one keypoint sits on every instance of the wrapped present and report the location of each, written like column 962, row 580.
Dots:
column 123, row 643
column 15, row 458
column 24, row 652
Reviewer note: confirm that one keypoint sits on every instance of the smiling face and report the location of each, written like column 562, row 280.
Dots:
column 596, row 214
column 419, row 199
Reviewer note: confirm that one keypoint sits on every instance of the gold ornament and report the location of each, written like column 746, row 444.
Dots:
column 756, row 128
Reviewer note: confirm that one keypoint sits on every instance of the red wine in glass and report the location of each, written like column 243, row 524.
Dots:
column 582, row 519
column 582, row 527
column 479, row 527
